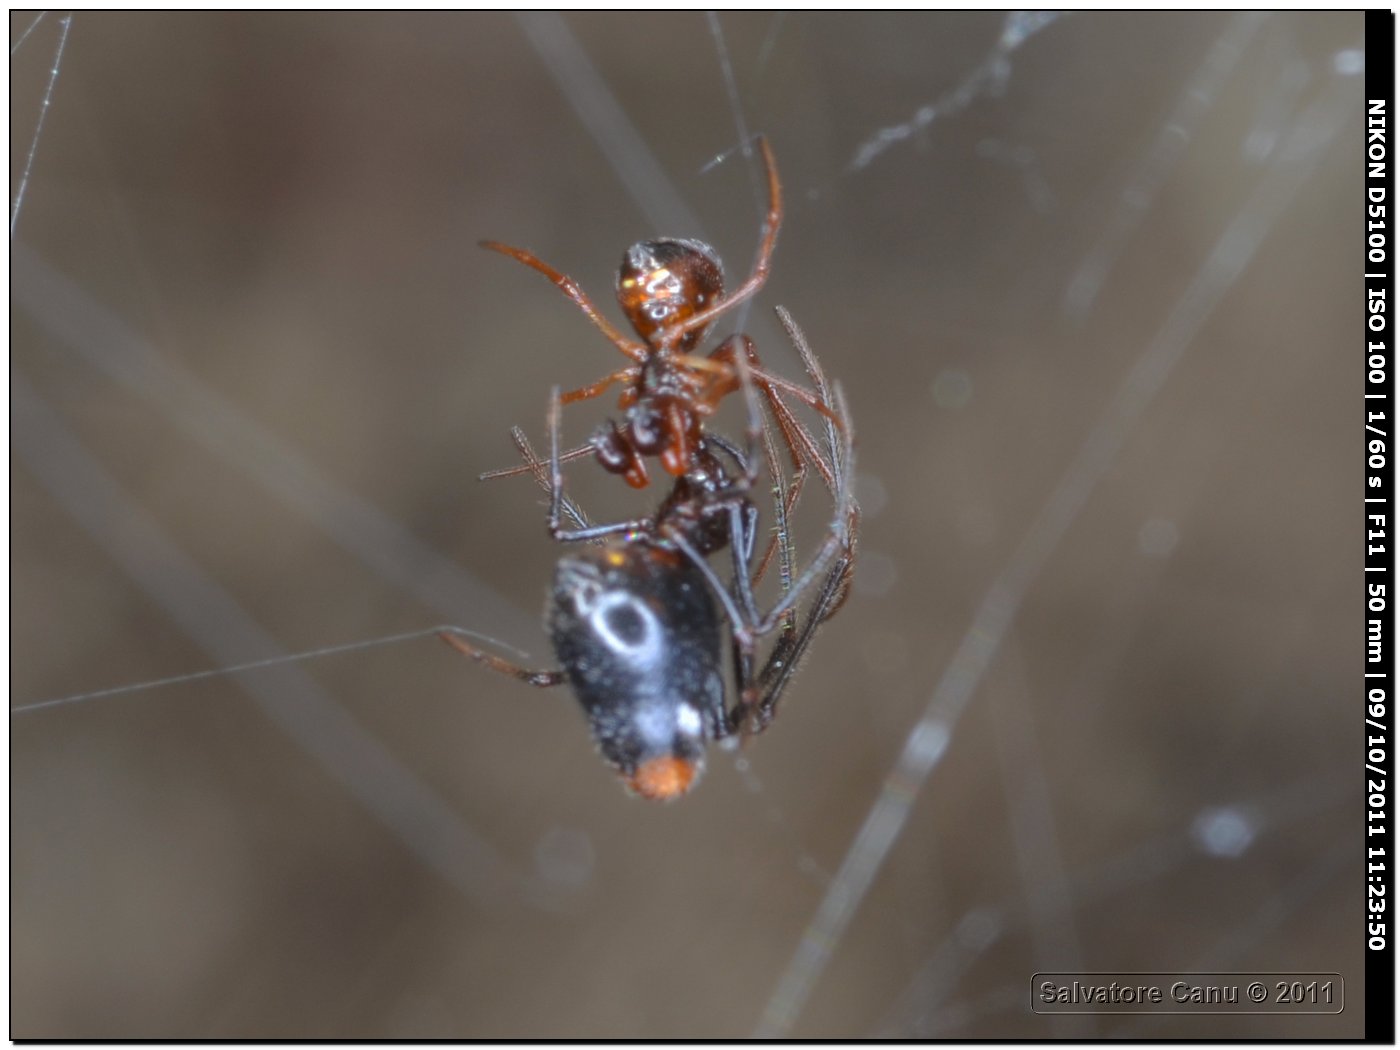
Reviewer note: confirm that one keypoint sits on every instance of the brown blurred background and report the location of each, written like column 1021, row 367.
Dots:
column 259, row 361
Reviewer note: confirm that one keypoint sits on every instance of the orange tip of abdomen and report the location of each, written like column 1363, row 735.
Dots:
column 663, row 778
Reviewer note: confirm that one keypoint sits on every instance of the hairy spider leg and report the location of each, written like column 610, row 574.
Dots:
column 536, row 466
column 527, row 467
column 786, row 655
column 801, row 445
column 758, row 693
column 814, row 372
column 556, row 491
column 832, row 564
column 719, row 363
column 794, row 435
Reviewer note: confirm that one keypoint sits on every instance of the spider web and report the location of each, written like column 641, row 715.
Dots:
column 1083, row 280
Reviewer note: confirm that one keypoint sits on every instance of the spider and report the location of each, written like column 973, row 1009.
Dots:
column 671, row 291
column 638, row 622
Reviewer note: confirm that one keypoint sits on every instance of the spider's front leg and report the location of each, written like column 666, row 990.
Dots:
column 574, row 293
column 540, row 679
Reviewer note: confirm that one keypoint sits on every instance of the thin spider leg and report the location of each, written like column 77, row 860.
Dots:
column 832, row 596
column 540, row 679
column 731, row 450
column 789, row 427
column 583, row 393
column 737, row 354
column 628, row 374
column 759, row 696
column 838, row 534
column 723, row 363
column 558, row 501
column 743, row 637
column 835, row 473
column 796, row 436
column 802, row 448
column 743, row 523
column 784, row 493
column 525, row 468
column 738, row 600
column 839, row 451
column 741, row 660
column 770, row 456
column 842, row 454
column 807, row 397
column 556, row 472
column 570, row 287
column 784, row 499
column 673, row 335
column 761, row 703
column 595, row 532
column 844, row 589
column 754, row 420
column 720, row 365
column 742, row 532
column 814, row 371
column 536, row 466
column 781, row 539
column 795, row 433
column 723, row 360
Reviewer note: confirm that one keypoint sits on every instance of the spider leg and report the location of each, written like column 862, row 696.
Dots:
column 545, row 476
column 672, row 336
column 839, row 459
column 720, row 363
column 840, row 539
column 583, row 393
column 833, row 443
column 743, row 515
column 527, row 468
column 783, row 504
column 761, row 702
column 540, row 679
column 825, row 579
column 802, row 447
column 829, row 571
column 570, row 288
column 559, row 504
column 534, row 465
column 738, row 599
column 750, row 533
column 814, row 372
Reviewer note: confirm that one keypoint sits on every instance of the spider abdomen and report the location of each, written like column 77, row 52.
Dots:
column 638, row 634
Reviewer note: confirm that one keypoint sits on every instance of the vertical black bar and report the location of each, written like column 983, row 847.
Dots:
column 1379, row 186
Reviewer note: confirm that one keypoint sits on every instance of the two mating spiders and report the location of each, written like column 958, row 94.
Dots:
column 639, row 620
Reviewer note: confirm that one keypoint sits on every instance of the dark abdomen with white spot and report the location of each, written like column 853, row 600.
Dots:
column 638, row 633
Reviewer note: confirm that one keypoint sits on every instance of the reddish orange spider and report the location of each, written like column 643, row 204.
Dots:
column 671, row 291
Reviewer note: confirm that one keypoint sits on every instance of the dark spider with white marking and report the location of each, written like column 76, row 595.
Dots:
column 639, row 621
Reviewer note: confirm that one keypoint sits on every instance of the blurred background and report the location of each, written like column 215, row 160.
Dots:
column 1090, row 286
